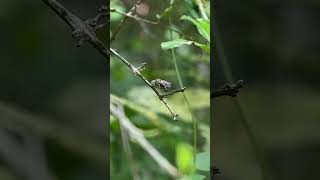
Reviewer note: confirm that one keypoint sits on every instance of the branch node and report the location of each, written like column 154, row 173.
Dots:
column 80, row 37
column 228, row 90
column 142, row 66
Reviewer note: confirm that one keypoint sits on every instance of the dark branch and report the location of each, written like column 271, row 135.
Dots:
column 214, row 171
column 228, row 90
column 81, row 30
column 102, row 15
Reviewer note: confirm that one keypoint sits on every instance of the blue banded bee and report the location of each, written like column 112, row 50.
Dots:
column 162, row 84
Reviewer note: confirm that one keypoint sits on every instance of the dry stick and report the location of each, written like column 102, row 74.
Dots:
column 135, row 17
column 124, row 19
column 137, row 72
column 138, row 136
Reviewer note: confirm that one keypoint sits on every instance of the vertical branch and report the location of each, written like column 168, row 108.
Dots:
column 194, row 120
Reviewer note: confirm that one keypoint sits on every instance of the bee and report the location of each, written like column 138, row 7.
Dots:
column 162, row 84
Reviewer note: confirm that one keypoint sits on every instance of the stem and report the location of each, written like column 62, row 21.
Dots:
column 243, row 118
column 194, row 121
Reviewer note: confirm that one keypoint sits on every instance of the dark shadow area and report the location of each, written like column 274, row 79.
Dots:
column 54, row 96
column 274, row 47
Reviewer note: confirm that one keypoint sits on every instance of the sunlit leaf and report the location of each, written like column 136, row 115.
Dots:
column 181, row 42
column 184, row 158
column 175, row 43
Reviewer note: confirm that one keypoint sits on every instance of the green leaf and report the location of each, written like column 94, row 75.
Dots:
column 175, row 43
column 180, row 42
column 203, row 161
column 204, row 47
column 203, row 26
column 184, row 158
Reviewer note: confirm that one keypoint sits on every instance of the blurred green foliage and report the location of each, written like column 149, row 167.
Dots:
column 141, row 42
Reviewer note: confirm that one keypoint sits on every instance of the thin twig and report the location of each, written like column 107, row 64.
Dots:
column 228, row 90
column 136, row 71
column 173, row 92
column 135, row 17
column 103, row 13
column 214, row 171
column 124, row 19
column 137, row 135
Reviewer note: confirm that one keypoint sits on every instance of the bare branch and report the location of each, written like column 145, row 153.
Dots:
column 228, row 90
column 103, row 13
column 214, row 171
column 136, row 71
column 137, row 135
column 81, row 31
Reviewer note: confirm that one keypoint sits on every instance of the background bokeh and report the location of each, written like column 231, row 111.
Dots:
column 53, row 95
column 274, row 47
